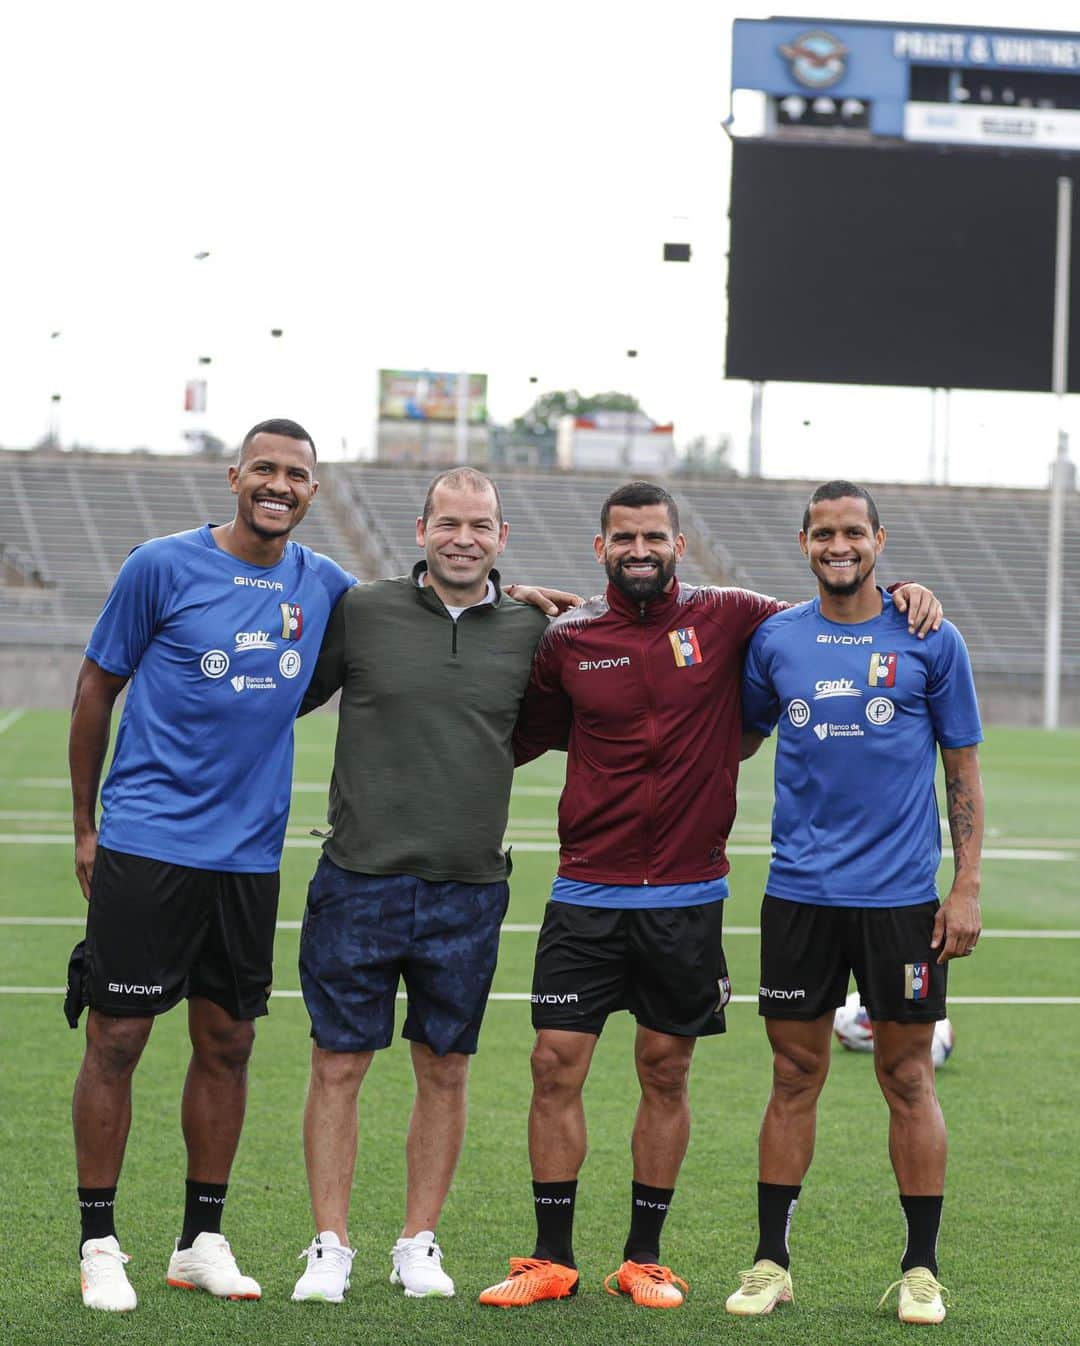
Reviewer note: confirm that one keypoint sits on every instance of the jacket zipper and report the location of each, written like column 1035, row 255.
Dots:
column 650, row 802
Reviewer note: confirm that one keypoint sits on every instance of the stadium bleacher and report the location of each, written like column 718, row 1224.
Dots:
column 983, row 550
column 553, row 518
column 77, row 517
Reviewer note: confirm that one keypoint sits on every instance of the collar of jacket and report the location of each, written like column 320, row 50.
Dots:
column 431, row 599
column 658, row 610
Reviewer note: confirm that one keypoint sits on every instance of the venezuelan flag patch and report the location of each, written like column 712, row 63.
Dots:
column 684, row 644
column 916, row 981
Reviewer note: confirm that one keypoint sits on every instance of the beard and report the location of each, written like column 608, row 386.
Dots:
column 843, row 588
column 644, row 588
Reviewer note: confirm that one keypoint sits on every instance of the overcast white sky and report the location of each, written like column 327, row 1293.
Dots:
column 444, row 185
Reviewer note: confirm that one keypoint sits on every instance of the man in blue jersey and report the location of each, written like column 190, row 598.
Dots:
column 217, row 630
column 862, row 708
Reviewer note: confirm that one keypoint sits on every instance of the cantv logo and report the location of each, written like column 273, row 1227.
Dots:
column 587, row 665
column 826, row 687
column 253, row 640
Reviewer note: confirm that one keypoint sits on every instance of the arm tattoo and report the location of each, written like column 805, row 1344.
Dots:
column 962, row 809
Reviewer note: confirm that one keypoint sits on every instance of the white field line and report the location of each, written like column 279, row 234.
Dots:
column 527, row 836
column 735, row 999
column 6, row 721
column 516, row 928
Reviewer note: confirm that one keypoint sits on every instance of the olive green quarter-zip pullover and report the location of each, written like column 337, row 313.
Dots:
column 423, row 762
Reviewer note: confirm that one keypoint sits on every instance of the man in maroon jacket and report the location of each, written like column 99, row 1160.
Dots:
column 642, row 685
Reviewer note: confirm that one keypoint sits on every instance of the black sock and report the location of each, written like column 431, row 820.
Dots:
column 775, row 1208
column 97, row 1210
column 648, row 1209
column 202, row 1210
column 554, row 1202
column 923, row 1214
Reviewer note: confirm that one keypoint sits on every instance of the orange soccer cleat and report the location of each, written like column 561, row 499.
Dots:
column 651, row 1286
column 531, row 1279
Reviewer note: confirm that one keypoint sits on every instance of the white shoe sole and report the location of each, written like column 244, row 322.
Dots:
column 395, row 1279
column 784, row 1297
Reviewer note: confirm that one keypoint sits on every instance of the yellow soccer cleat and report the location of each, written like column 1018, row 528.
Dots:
column 764, row 1286
column 922, row 1297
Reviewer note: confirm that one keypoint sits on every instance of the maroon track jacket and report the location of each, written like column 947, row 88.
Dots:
column 647, row 701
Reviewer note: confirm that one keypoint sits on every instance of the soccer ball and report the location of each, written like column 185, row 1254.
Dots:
column 855, row 1032
column 944, row 1041
column 852, row 1025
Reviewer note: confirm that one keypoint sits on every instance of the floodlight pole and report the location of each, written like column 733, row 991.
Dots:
column 757, row 391
column 461, row 418
column 1059, row 470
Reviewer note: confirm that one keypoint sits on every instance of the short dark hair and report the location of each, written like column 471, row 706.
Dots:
column 278, row 426
column 463, row 478
column 634, row 495
column 842, row 490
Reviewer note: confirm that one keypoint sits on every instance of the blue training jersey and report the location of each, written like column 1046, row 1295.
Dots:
column 862, row 708
column 219, row 653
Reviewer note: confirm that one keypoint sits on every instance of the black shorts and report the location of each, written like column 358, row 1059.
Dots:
column 157, row 932
column 664, row 964
column 808, row 952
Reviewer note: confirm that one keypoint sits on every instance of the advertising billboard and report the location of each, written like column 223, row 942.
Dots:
column 431, row 395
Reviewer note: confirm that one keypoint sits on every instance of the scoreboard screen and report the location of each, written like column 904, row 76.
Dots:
column 915, row 266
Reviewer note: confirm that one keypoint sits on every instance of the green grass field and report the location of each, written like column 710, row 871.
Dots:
column 1009, row 1246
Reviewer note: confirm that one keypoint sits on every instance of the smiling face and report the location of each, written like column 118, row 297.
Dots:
column 841, row 545
column 640, row 550
column 461, row 538
column 274, row 483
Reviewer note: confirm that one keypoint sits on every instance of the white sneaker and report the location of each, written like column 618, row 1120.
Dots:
column 418, row 1267
column 104, row 1281
column 328, row 1265
column 209, row 1265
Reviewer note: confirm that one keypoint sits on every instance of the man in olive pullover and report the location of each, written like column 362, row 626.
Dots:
column 412, row 882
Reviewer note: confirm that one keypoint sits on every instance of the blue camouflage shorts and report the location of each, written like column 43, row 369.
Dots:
column 363, row 933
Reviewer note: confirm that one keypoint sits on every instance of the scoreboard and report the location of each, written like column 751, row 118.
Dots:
column 893, row 203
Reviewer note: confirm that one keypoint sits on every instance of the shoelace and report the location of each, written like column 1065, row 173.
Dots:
column 757, row 1279
column 413, row 1251
column 923, row 1285
column 520, row 1266
column 661, row 1275
column 114, row 1253
column 319, row 1248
